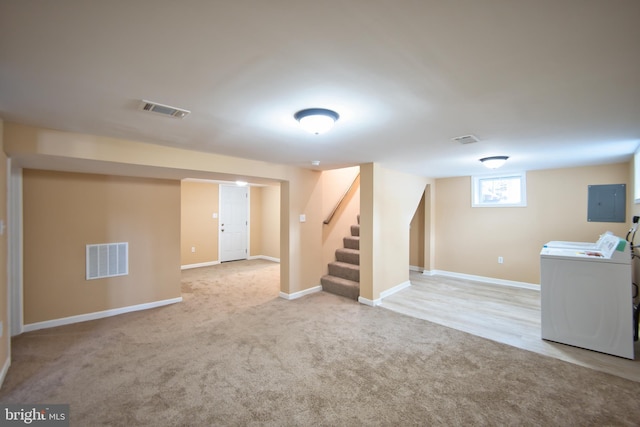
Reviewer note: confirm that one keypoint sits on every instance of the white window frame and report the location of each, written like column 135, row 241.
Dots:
column 476, row 201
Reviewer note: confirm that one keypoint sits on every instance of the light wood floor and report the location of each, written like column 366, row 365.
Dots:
column 501, row 313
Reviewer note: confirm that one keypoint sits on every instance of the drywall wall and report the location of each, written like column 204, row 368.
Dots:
column 198, row 228
column 388, row 202
column 255, row 221
column 634, row 168
column 336, row 184
column 5, row 333
column 470, row 240
column 300, row 243
column 269, row 221
column 417, row 237
column 63, row 212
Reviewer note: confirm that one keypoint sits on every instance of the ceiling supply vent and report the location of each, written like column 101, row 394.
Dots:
column 166, row 110
column 107, row 260
column 466, row 139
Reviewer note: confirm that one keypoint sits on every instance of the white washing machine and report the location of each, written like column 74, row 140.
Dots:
column 586, row 296
column 598, row 245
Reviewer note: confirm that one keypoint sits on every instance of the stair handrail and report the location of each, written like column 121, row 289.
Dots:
column 333, row 212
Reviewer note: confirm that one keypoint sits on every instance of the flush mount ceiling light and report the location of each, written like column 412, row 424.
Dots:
column 494, row 162
column 316, row 120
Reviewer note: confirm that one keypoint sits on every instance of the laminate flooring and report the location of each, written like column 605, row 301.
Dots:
column 507, row 314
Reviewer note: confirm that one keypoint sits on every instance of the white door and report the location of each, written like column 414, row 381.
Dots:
column 234, row 207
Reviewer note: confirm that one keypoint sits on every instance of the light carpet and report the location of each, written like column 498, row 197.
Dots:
column 233, row 353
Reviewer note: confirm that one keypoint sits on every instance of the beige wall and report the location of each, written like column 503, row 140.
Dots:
column 470, row 240
column 4, row 304
column 269, row 222
column 635, row 210
column 63, row 212
column 255, row 221
column 300, row 243
column 200, row 200
column 335, row 184
column 417, row 236
column 388, row 202
column 198, row 228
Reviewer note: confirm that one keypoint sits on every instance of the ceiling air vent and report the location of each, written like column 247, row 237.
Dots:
column 466, row 139
column 166, row 110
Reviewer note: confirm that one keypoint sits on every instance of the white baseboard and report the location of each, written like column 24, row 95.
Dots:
column 299, row 294
column 370, row 303
column 198, row 265
column 5, row 369
column 395, row 289
column 415, row 268
column 384, row 294
column 267, row 258
column 483, row 279
column 98, row 315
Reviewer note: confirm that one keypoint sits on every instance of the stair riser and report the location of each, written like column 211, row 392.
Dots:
column 348, row 257
column 346, row 290
column 344, row 272
column 351, row 243
column 355, row 230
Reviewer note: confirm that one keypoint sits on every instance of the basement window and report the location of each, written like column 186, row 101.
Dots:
column 107, row 260
column 499, row 190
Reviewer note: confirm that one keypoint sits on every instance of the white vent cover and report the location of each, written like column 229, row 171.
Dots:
column 166, row 110
column 466, row 139
column 107, row 260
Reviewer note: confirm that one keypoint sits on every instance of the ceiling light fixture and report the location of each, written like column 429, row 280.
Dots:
column 316, row 120
column 494, row 162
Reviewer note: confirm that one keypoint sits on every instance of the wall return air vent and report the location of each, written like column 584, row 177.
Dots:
column 107, row 260
column 165, row 110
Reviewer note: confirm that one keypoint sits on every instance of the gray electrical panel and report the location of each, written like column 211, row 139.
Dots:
column 607, row 203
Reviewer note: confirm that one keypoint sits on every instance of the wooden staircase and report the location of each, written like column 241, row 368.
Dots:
column 344, row 273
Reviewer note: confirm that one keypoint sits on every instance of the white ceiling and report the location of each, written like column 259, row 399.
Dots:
column 550, row 83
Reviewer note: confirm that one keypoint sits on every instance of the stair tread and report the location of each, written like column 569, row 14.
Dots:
column 341, row 280
column 348, row 250
column 345, row 265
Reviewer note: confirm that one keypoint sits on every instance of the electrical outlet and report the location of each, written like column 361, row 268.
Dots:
column 193, row 249
column 500, row 260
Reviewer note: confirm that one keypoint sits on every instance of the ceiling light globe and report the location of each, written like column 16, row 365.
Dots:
column 494, row 162
column 316, row 120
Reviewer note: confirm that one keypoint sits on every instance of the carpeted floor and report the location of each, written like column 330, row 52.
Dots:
column 233, row 353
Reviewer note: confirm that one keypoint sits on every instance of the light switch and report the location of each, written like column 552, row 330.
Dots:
column 303, row 218
column 214, row 216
